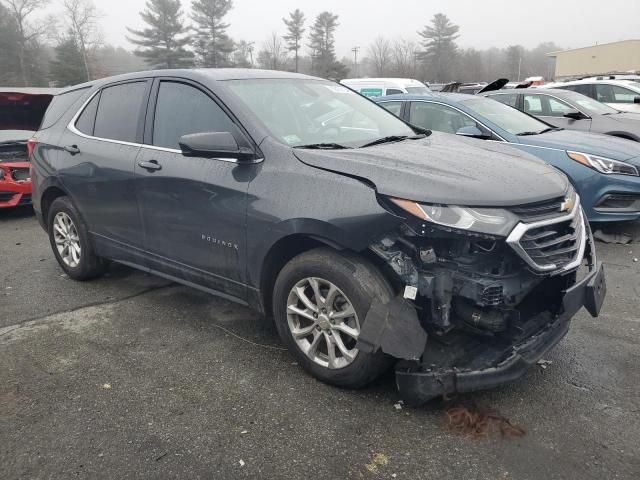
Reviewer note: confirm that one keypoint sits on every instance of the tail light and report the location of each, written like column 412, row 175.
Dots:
column 31, row 146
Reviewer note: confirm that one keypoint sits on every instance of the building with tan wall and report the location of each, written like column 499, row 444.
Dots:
column 615, row 57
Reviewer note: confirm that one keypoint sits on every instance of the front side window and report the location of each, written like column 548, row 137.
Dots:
column 181, row 110
column 623, row 95
column 441, row 118
column 393, row 107
column 583, row 89
column 507, row 118
column 310, row 112
column 118, row 116
column 394, row 91
column 545, row 105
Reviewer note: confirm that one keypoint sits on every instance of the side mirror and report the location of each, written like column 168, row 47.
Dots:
column 214, row 145
column 474, row 132
column 636, row 99
column 574, row 114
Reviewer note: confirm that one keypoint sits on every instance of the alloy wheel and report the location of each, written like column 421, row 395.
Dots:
column 323, row 322
column 67, row 240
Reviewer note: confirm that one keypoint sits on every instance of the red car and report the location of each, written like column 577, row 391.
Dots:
column 21, row 112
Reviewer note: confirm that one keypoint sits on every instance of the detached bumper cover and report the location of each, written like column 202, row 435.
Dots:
column 417, row 385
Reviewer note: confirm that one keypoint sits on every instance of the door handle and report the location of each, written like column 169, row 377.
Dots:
column 72, row 149
column 151, row 165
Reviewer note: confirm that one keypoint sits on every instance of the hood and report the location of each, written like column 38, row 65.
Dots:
column 594, row 143
column 446, row 169
column 495, row 85
column 22, row 110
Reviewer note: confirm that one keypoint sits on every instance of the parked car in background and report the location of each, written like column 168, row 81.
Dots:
column 369, row 241
column 622, row 95
column 603, row 169
column 571, row 110
column 21, row 112
column 474, row 88
column 377, row 87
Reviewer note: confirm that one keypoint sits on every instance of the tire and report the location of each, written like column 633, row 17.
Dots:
column 357, row 282
column 83, row 264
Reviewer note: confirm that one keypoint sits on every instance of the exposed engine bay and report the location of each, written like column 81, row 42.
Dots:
column 477, row 298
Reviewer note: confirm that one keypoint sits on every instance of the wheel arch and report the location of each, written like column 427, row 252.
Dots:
column 49, row 194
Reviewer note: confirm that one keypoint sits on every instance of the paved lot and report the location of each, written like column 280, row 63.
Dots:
column 130, row 376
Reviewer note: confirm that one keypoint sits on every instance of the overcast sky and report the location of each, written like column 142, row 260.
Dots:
column 569, row 23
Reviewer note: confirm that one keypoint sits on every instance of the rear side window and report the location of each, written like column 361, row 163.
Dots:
column 510, row 99
column 583, row 89
column 394, row 91
column 87, row 118
column 393, row 107
column 59, row 106
column 182, row 109
column 118, row 113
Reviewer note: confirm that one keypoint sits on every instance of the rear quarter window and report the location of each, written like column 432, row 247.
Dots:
column 59, row 106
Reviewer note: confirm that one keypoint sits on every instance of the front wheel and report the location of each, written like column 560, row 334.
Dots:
column 321, row 299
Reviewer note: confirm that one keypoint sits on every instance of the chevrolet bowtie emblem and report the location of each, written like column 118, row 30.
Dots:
column 567, row 205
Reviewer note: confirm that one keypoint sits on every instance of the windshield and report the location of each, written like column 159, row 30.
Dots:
column 418, row 90
column 310, row 112
column 15, row 135
column 506, row 117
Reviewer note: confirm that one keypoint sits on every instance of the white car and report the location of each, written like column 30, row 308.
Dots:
column 378, row 87
column 622, row 95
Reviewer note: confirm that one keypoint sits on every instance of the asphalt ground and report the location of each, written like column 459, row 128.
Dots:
column 130, row 376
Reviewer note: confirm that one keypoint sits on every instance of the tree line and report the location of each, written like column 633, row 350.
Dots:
column 38, row 49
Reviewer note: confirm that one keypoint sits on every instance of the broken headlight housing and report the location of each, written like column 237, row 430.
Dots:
column 491, row 221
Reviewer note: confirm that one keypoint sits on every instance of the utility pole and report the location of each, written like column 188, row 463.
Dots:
column 355, row 60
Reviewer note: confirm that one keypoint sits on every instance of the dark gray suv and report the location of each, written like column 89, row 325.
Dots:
column 370, row 242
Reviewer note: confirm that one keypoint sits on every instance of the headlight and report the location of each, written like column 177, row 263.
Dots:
column 603, row 165
column 492, row 221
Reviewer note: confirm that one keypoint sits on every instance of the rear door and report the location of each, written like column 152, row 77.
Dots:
column 96, row 165
column 193, row 209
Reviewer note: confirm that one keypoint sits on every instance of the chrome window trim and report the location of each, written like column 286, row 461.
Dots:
column 461, row 111
column 73, row 129
column 513, row 240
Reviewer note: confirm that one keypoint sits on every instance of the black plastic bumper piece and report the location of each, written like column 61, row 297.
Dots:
column 417, row 386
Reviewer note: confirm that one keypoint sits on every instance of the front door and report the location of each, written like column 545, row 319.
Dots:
column 193, row 209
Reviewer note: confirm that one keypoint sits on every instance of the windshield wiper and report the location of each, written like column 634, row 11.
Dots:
column 323, row 146
column 551, row 129
column 393, row 138
column 524, row 134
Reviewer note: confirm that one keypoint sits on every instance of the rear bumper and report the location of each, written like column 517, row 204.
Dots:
column 504, row 363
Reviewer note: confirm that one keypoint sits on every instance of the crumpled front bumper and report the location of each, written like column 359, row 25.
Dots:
column 14, row 192
column 501, row 364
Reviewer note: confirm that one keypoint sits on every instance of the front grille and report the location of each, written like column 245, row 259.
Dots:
column 20, row 174
column 555, row 244
column 538, row 211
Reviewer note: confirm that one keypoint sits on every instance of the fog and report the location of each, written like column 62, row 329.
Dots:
column 570, row 23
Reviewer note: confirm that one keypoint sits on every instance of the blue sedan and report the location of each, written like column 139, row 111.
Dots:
column 603, row 169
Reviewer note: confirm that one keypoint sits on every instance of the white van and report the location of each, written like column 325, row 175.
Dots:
column 377, row 87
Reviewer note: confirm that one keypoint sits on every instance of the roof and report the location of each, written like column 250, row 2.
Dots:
column 215, row 74
column 433, row 96
column 555, row 54
column 382, row 79
column 593, row 81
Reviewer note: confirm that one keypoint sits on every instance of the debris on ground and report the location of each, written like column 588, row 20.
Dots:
column 614, row 237
column 481, row 422
column 543, row 364
column 241, row 462
column 398, row 406
column 377, row 460
column 106, row 386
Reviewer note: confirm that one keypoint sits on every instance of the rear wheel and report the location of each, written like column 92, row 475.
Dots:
column 321, row 299
column 70, row 242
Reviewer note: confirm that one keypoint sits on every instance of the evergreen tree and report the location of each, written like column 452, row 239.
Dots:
column 322, row 45
column 440, row 49
column 163, row 42
column 68, row 68
column 213, row 45
column 295, row 28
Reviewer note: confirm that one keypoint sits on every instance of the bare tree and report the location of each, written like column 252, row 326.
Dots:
column 273, row 54
column 380, row 54
column 82, row 18
column 28, row 32
column 404, row 55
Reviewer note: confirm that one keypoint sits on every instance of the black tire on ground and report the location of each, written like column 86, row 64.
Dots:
column 90, row 265
column 361, row 282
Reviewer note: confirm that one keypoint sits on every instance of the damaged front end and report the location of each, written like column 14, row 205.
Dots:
column 485, row 292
